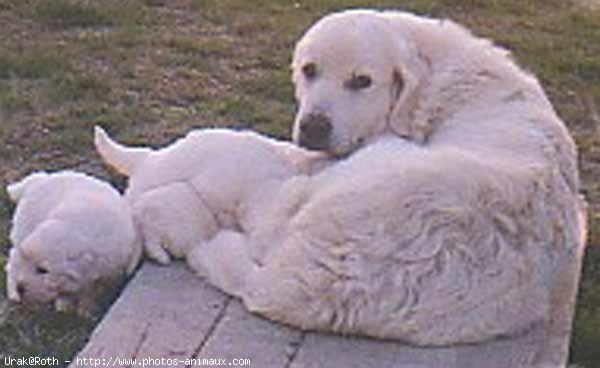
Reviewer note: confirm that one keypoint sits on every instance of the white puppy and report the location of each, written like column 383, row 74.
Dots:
column 73, row 239
column 208, row 181
column 450, row 217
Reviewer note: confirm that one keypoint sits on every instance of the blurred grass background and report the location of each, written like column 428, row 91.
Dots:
column 150, row 70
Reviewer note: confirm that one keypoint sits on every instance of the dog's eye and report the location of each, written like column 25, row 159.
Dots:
column 309, row 70
column 40, row 270
column 358, row 82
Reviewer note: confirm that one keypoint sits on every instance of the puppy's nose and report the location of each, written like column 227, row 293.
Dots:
column 20, row 289
column 315, row 131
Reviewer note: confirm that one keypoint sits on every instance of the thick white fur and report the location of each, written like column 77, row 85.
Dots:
column 78, row 231
column 450, row 217
column 208, row 181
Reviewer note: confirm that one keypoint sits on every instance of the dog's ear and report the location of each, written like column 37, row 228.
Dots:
column 16, row 190
column 405, row 92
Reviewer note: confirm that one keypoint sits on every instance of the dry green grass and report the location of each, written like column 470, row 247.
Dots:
column 151, row 70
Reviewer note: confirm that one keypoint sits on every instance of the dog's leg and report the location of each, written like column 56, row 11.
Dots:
column 171, row 219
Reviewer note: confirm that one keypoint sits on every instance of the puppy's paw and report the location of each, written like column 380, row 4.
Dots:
column 63, row 305
column 156, row 251
column 80, row 307
column 194, row 260
column 224, row 262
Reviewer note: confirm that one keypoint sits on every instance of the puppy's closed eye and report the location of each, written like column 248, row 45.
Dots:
column 358, row 82
column 310, row 71
column 41, row 270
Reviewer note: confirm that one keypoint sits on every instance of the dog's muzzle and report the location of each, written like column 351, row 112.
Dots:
column 315, row 132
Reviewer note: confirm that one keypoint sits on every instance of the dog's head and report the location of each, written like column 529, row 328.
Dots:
column 353, row 79
column 52, row 266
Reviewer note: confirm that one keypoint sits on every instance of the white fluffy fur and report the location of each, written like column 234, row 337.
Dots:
column 209, row 181
column 447, row 222
column 73, row 237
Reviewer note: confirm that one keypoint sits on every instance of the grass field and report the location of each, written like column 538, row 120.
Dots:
column 150, row 70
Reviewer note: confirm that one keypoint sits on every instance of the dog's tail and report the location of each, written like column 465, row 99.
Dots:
column 123, row 159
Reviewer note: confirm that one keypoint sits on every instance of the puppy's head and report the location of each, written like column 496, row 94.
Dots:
column 50, row 266
column 352, row 76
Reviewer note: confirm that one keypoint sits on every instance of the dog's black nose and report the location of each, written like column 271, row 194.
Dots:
column 315, row 131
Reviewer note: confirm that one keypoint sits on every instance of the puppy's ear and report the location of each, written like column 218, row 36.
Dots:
column 83, row 268
column 16, row 190
column 404, row 96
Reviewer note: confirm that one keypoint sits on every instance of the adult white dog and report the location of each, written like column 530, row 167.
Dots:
column 455, row 205
column 73, row 239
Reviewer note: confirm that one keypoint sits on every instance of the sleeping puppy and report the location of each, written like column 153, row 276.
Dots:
column 208, row 181
column 73, row 240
